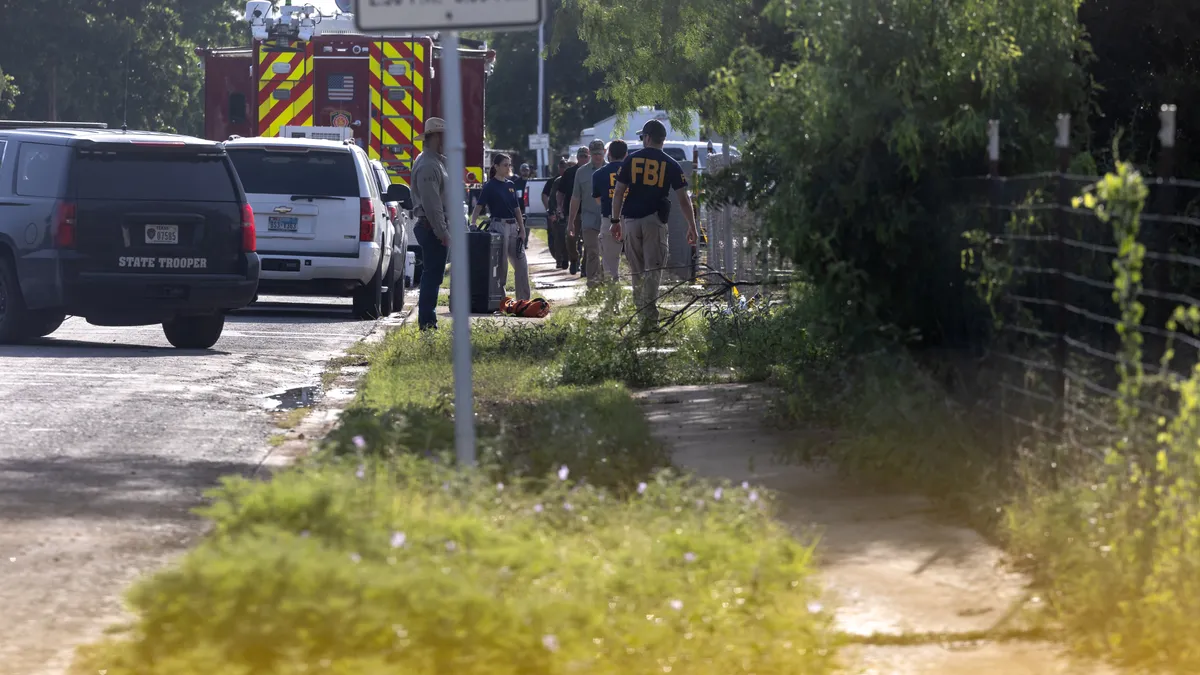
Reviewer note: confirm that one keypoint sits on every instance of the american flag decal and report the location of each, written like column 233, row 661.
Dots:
column 341, row 88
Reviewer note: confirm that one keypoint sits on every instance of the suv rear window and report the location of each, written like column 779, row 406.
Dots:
column 144, row 176
column 315, row 172
column 41, row 169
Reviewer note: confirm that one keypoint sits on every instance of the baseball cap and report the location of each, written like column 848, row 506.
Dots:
column 597, row 147
column 653, row 129
column 523, row 167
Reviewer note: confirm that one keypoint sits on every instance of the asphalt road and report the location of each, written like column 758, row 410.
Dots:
column 108, row 437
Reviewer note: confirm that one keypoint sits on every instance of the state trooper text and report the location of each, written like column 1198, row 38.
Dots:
column 163, row 263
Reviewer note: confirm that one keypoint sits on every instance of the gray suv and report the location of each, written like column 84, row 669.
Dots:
column 122, row 229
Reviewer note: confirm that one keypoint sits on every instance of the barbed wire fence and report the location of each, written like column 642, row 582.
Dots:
column 1058, row 350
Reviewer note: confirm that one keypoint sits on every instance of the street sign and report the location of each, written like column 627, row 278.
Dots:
column 539, row 141
column 418, row 15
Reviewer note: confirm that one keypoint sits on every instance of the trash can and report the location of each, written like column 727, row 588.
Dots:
column 483, row 260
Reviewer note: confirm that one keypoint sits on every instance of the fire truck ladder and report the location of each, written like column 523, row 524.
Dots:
column 399, row 99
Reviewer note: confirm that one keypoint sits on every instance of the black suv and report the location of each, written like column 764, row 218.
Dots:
column 122, row 229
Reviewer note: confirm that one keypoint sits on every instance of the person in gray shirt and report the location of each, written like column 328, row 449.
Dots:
column 587, row 210
column 432, row 228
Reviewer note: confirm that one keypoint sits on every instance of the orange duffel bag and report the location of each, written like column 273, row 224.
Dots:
column 529, row 309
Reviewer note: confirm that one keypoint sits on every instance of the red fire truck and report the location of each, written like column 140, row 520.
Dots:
column 313, row 75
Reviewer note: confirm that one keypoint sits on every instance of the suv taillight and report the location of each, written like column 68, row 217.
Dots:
column 366, row 225
column 64, row 226
column 249, row 232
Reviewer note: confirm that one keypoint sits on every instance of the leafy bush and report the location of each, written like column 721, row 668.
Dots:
column 527, row 424
column 410, row 567
column 1119, row 550
column 769, row 340
column 862, row 127
column 604, row 344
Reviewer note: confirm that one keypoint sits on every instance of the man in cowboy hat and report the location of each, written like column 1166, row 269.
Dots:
column 432, row 228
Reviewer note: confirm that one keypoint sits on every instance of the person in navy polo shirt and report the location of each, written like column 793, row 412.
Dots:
column 641, row 206
column 604, row 184
column 499, row 196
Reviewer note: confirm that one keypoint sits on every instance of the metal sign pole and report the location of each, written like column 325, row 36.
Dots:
column 460, row 269
column 370, row 16
column 543, row 154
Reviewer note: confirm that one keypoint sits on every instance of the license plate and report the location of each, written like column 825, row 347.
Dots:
column 282, row 223
column 162, row 234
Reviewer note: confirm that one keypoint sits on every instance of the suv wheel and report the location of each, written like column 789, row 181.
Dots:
column 393, row 300
column 14, row 318
column 368, row 300
column 194, row 332
column 44, row 322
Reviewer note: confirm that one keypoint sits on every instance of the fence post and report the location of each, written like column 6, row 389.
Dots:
column 1063, row 144
column 994, row 200
column 693, row 271
column 1166, row 207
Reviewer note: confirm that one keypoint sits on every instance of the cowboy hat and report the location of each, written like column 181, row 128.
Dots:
column 434, row 125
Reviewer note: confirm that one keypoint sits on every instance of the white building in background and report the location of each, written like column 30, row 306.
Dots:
column 680, row 144
column 606, row 129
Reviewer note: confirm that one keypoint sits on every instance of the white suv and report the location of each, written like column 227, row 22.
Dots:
column 324, row 226
column 400, row 211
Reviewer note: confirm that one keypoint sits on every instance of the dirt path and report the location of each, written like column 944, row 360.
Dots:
column 894, row 573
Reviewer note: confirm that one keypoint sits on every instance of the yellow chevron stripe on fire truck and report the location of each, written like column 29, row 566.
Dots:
column 299, row 114
column 297, row 109
column 390, row 52
column 412, row 102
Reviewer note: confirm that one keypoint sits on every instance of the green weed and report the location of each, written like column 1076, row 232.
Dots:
column 408, row 566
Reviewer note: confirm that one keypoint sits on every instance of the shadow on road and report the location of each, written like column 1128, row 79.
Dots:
column 81, row 349
column 286, row 312
column 118, row 487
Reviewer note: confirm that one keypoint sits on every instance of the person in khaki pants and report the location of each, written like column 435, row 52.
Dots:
column 499, row 195
column 604, row 184
column 642, row 199
column 585, row 213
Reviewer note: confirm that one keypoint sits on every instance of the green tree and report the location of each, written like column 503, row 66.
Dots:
column 663, row 52
column 71, row 59
column 573, row 90
column 8, row 92
column 1146, row 55
column 860, row 122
